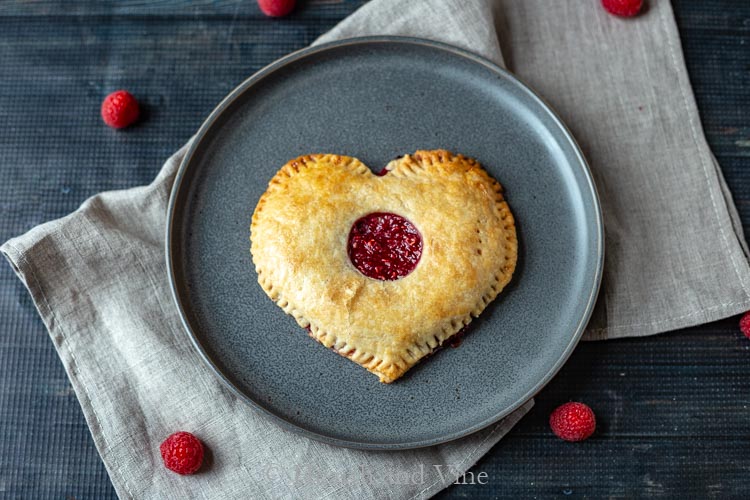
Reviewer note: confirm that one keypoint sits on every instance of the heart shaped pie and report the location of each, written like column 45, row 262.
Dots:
column 383, row 268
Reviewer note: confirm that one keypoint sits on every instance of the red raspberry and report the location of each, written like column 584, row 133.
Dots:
column 276, row 8
column 573, row 422
column 624, row 8
column 745, row 324
column 182, row 453
column 120, row 109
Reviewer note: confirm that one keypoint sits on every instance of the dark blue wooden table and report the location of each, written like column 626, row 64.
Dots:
column 673, row 409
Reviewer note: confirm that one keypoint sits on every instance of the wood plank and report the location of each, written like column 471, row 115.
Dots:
column 625, row 468
column 203, row 9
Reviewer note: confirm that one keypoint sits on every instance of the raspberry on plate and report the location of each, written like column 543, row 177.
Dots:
column 120, row 109
column 276, row 8
column 182, row 453
column 623, row 8
column 573, row 422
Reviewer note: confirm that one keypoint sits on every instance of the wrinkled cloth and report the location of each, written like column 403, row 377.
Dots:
column 675, row 257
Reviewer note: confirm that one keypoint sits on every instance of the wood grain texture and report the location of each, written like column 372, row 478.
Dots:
column 673, row 410
column 336, row 9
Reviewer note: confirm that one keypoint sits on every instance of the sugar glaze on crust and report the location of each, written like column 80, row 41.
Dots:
column 299, row 236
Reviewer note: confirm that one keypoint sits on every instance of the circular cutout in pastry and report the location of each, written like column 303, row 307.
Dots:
column 384, row 246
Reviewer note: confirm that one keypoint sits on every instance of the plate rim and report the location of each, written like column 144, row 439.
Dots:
column 246, row 85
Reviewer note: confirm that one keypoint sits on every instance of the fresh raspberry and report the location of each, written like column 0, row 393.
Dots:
column 573, row 422
column 623, row 8
column 182, row 453
column 276, row 8
column 745, row 324
column 120, row 109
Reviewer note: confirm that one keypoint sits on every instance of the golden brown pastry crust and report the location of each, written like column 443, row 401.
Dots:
column 299, row 237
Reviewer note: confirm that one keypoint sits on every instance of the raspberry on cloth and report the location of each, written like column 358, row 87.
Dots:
column 623, row 8
column 182, row 453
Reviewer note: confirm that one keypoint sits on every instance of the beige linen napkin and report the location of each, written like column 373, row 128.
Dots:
column 675, row 258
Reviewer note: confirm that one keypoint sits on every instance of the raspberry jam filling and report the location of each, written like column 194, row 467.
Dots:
column 384, row 246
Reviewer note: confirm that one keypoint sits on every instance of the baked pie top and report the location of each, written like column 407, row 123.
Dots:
column 383, row 268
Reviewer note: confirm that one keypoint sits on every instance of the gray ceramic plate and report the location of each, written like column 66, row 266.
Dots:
column 376, row 99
